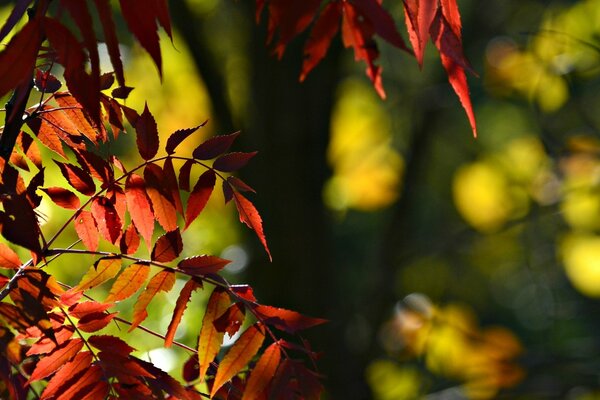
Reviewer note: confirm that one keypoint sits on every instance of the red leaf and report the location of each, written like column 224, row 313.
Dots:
column 48, row 343
column 263, row 372
column 291, row 18
column 250, row 216
column 8, row 258
column 232, row 161
column 202, row 265
column 107, row 219
column 47, row 135
column 130, row 240
column 382, row 22
column 131, row 279
column 103, row 270
column 147, row 134
column 180, row 306
column 86, row 229
column 231, row 320
column 98, row 167
column 95, row 321
column 115, row 115
column 238, row 356
column 227, row 191
column 170, row 184
column 214, row 146
column 63, row 378
column 15, row 16
column 117, row 198
column 184, row 175
column 321, row 36
column 85, row 385
column 110, row 344
column 110, row 36
column 210, row 339
column 286, row 320
column 99, row 391
column 18, row 58
column 79, row 179
column 139, row 207
column 160, row 196
column 244, row 291
column 63, row 197
column 199, row 196
column 80, row 310
column 190, row 369
column 161, row 282
column 167, row 247
column 419, row 15
column 46, row 82
column 56, row 359
column 179, row 136
column 239, row 184
column 30, row 149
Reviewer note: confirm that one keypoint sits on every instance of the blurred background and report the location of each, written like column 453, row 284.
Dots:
column 448, row 267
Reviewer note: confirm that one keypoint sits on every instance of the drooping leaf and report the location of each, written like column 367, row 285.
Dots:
column 80, row 118
column 232, row 320
column 64, row 377
column 85, row 385
column 214, row 146
column 202, row 265
column 179, row 136
column 79, row 179
column 30, row 149
column 263, row 372
column 146, row 134
column 171, row 185
column 117, row 198
column 86, row 229
column 130, row 281
column 45, row 82
column 139, row 207
column 184, row 175
column 250, row 216
column 109, row 343
column 97, row 166
column 103, row 270
column 210, row 339
column 286, row 320
column 44, row 132
column 160, row 197
column 63, row 197
column 199, row 196
column 167, row 247
column 110, row 36
column 163, row 281
column 180, row 306
column 238, row 356
column 130, row 240
column 107, row 219
column 8, row 258
column 55, row 360
column 233, row 161
column 321, row 36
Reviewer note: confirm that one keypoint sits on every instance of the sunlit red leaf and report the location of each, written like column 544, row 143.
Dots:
column 231, row 321
column 171, row 185
column 167, row 247
column 130, row 240
column 202, row 265
column 85, row 385
column 80, row 310
column 56, row 359
column 232, row 161
column 214, row 146
column 80, row 118
column 381, row 20
column 179, row 136
column 321, row 36
column 107, row 219
column 250, row 216
column 210, row 339
column 8, row 258
column 199, row 196
column 71, row 371
column 30, row 149
column 139, row 207
column 109, row 343
column 115, row 115
column 103, row 270
column 79, row 179
column 44, row 132
column 160, row 196
column 99, row 391
column 47, row 344
column 263, row 372
column 238, row 356
column 163, row 281
column 86, row 229
column 95, row 321
column 147, row 134
column 244, row 291
column 419, row 15
column 180, row 306
column 131, row 279
column 286, row 320
column 62, row 197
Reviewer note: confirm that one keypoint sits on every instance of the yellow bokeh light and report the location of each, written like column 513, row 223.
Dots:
column 581, row 258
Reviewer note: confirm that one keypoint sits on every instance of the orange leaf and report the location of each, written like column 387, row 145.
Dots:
column 167, row 247
column 86, row 229
column 103, row 270
column 162, row 205
column 263, row 372
column 56, row 359
column 131, row 279
column 72, row 369
column 286, row 320
column 161, row 282
column 210, row 339
column 238, row 356
column 180, row 306
column 130, row 240
column 95, row 321
column 107, row 218
column 139, row 207
column 202, row 265
column 8, row 258
column 78, row 116
column 199, row 196
column 250, row 216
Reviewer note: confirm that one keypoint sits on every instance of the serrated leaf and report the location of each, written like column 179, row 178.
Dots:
column 63, row 197
column 263, row 372
column 109, row 343
column 210, row 339
column 180, row 306
column 184, row 175
column 107, row 218
column 233, row 161
column 86, row 229
column 79, row 179
column 238, row 356
column 147, row 134
column 170, row 184
column 110, row 36
column 139, row 207
column 179, row 136
column 202, row 265
column 130, row 281
column 250, row 216
column 103, row 270
column 63, row 378
column 231, row 320
column 81, row 309
column 199, row 196
column 8, row 258
column 286, row 320
column 167, row 247
column 214, row 146
column 79, row 117
column 130, row 240
column 163, row 281
column 86, row 384
column 55, row 360
column 160, row 197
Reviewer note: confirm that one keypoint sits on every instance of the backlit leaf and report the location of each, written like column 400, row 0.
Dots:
column 103, row 270
column 62, row 197
column 238, row 356
column 210, row 339
column 79, row 179
column 147, row 134
column 199, row 196
column 171, row 185
column 139, row 207
column 382, row 22
column 18, row 57
column 56, row 359
column 321, row 36
column 160, row 197
column 232, row 161
column 286, row 320
column 8, row 258
column 179, row 136
column 72, row 370
column 79, row 117
column 180, row 306
column 130, row 240
column 202, row 265
column 81, row 309
column 44, row 132
column 214, row 146
column 30, row 149
column 95, row 321
column 231, row 320
column 109, row 343
column 161, row 282
column 263, row 372
column 84, row 385
column 106, row 217
column 184, row 175
column 250, row 216
column 167, row 247
column 131, row 279
column 86, row 229
column 110, row 36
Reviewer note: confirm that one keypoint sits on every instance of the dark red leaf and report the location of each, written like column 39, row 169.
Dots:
column 97, row 166
column 121, row 92
column 62, row 197
column 180, row 306
column 86, row 385
column 170, row 184
column 239, row 184
column 95, row 321
column 110, row 344
column 202, row 265
column 244, row 291
column 71, row 371
column 167, row 247
column 46, row 82
column 179, row 136
column 232, row 161
column 130, row 240
column 382, row 22
column 19, row 223
column 286, row 320
column 227, row 192
column 30, row 149
column 107, row 220
column 250, row 216
column 199, row 196
column 18, row 57
column 231, row 320
column 86, row 229
column 147, row 134
column 110, row 36
column 56, row 359
column 79, row 179
column 321, row 36
column 184, row 175
column 191, row 370
column 214, row 146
